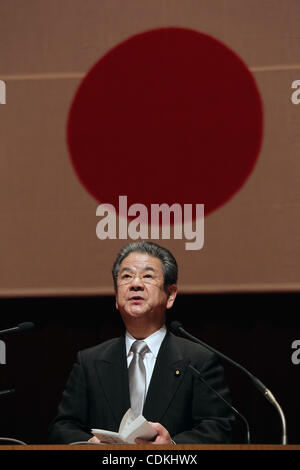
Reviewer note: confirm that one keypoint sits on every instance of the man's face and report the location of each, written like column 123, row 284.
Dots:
column 140, row 292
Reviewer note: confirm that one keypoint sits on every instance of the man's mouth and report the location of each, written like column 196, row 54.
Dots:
column 136, row 298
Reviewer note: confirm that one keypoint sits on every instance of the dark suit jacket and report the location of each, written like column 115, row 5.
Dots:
column 97, row 394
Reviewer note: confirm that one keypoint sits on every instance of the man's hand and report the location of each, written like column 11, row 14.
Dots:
column 94, row 439
column 163, row 436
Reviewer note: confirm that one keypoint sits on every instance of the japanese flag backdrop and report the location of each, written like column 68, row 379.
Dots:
column 165, row 101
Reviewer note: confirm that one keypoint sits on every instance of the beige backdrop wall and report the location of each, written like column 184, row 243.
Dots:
column 48, row 243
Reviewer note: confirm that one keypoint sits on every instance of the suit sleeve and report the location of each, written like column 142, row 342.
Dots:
column 69, row 425
column 211, row 419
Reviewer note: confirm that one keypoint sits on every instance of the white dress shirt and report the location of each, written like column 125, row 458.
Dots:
column 154, row 342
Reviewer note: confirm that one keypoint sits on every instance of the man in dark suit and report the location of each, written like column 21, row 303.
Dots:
column 178, row 405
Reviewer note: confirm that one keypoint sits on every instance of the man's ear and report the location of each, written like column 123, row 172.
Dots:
column 172, row 292
column 117, row 305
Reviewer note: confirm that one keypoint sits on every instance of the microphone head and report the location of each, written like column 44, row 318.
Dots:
column 175, row 326
column 26, row 326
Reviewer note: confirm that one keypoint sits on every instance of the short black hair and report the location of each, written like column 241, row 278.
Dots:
column 169, row 264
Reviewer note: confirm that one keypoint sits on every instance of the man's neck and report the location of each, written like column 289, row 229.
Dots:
column 142, row 331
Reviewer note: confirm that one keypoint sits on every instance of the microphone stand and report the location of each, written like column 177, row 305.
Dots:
column 196, row 371
column 259, row 385
column 4, row 393
column 22, row 327
column 10, row 330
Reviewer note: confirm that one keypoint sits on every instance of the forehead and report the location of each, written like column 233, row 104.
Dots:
column 141, row 261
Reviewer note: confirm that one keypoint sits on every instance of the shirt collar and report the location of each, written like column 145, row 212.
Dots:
column 153, row 341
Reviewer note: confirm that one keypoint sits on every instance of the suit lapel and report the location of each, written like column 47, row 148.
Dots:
column 167, row 375
column 113, row 375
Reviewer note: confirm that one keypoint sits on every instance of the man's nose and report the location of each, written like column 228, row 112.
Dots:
column 137, row 283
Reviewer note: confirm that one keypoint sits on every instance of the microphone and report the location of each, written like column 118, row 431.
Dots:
column 20, row 328
column 177, row 327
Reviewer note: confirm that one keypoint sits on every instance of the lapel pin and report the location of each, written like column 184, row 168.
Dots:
column 177, row 372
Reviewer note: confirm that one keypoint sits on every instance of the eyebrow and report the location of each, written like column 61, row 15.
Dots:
column 147, row 268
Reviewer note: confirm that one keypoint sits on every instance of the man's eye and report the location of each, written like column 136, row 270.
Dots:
column 148, row 276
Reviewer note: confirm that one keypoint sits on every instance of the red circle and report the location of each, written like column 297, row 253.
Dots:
column 168, row 116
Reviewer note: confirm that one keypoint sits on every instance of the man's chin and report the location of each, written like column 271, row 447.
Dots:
column 136, row 312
